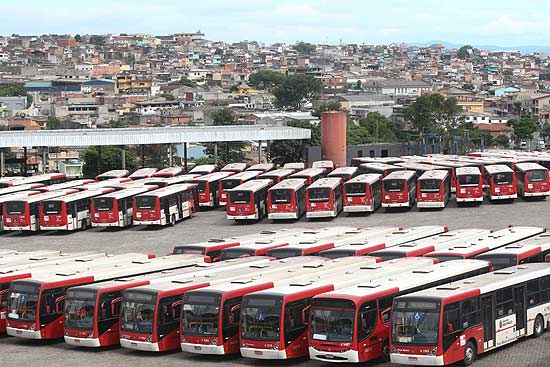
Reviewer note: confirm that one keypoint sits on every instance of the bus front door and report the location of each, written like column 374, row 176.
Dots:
column 488, row 317
column 519, row 309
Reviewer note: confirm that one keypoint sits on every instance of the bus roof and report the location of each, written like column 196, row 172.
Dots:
column 169, row 190
column 19, row 188
column 252, row 185
column 323, row 164
column 82, row 195
column 37, row 259
column 168, row 171
column 212, row 177
column 289, row 184
column 261, row 167
column 343, row 171
column 529, row 166
column 468, row 170
column 204, row 168
column 497, row 168
column 400, row 175
column 133, row 191
column 434, row 175
column 70, row 184
column 17, row 195
column 368, row 178
column 114, row 173
column 281, row 173
column 533, row 245
column 44, row 196
column 245, row 176
column 380, row 166
column 144, row 172
column 235, row 167
column 328, row 182
column 295, row 165
column 308, row 172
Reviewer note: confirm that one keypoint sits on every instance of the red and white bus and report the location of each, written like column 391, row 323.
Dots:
column 70, row 212
column 296, row 166
column 204, row 169
column 169, row 172
column 399, row 189
column 235, row 167
column 209, row 188
column 46, row 179
column 344, row 173
column 287, row 199
column 27, row 187
column 277, row 175
column 116, row 209
column 248, row 201
column 452, row 165
column 378, row 168
column 532, row 250
column 23, row 213
column 10, row 197
column 433, row 189
column 381, row 241
column 352, row 325
column 532, row 180
column 363, row 193
column 461, row 320
column 309, row 174
column 256, row 248
column 75, row 184
column 114, row 183
column 165, row 206
column 500, row 181
column 358, row 161
column 497, row 239
column 469, row 185
column 143, row 173
column 324, row 198
column 438, row 242
column 261, row 167
column 115, row 173
column 36, row 306
column 167, row 181
column 327, row 166
column 233, row 181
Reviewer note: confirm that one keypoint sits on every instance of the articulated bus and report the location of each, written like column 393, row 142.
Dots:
column 142, row 173
column 287, row 199
column 531, row 250
column 262, row 167
column 70, row 212
column 204, row 169
column 383, row 241
column 116, row 209
column 460, row 320
column 169, row 172
column 274, row 322
column 352, row 325
column 324, row 198
column 92, row 312
column 235, row 167
column 23, row 213
column 532, row 180
column 208, row 188
column 344, row 173
column 378, row 168
column 500, row 181
column 363, row 193
column 210, row 316
column 309, row 174
column 296, row 166
column 399, row 189
column 165, row 206
column 46, row 179
column 469, row 185
column 233, row 181
column 116, row 173
column 277, row 175
column 248, row 201
column 327, row 166
column 497, row 239
column 36, row 306
column 433, row 189
column 429, row 244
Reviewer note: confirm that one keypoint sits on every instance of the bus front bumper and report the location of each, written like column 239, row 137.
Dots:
column 469, row 200
column 54, row 228
column 110, row 224
column 350, row 356
column 396, row 205
column 429, row 204
column 321, row 214
column 23, row 333
column 137, row 345
column 22, row 228
column 83, row 342
column 159, row 222
column 282, row 216
column 503, row 197
column 416, row 359
column 358, row 208
column 534, row 194
column 263, row 353
column 202, row 348
column 243, row 217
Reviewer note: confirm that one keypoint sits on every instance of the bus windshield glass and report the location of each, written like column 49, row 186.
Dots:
column 103, row 204
column 235, row 253
column 283, row 253
column 394, row 185
column 536, row 175
column 200, row 314
column 415, row 322
column 79, row 309
column 429, row 185
column 51, row 207
column 504, row 178
column 23, row 302
column 188, row 250
column 444, row 258
column 239, row 197
column 138, row 312
column 261, row 318
column 499, row 261
column 333, row 325
column 145, row 202
column 229, row 184
column 468, row 180
column 356, row 189
column 281, row 196
column 14, row 207
column 318, row 194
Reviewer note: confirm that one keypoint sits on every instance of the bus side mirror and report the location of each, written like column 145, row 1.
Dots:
column 305, row 314
column 385, row 315
column 58, row 302
column 176, row 304
column 113, row 305
column 216, row 259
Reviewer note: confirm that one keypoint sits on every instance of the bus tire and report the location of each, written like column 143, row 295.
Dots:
column 84, row 225
column 469, row 353
column 538, row 326
column 385, row 355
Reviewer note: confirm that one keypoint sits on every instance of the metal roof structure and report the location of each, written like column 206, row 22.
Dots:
column 149, row 135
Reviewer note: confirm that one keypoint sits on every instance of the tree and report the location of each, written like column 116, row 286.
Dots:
column 187, row 82
column 434, row 113
column 168, row 96
column 379, row 128
column 266, row 79
column 545, row 132
column 524, row 127
column 304, row 48
column 330, row 105
column 501, row 141
column 78, row 38
column 229, row 152
column 464, row 52
column 296, row 91
column 468, row 87
column 53, row 123
column 15, row 90
column 97, row 40
column 285, row 151
column 111, row 158
column 117, row 124
column 223, row 116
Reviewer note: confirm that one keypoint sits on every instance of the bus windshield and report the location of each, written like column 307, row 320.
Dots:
column 444, row 258
column 200, row 314
column 356, row 189
column 235, row 253
column 261, row 318
column 14, row 207
column 282, row 253
column 79, row 310
column 281, row 196
column 504, row 178
column 415, row 322
column 103, row 204
column 138, row 312
column 229, row 184
column 188, row 250
column 536, row 175
column 23, row 302
column 333, row 325
column 468, row 180
column 51, row 207
column 318, row 194
column 499, row 261
column 394, row 185
column 429, row 185
column 239, row 197
column 145, row 202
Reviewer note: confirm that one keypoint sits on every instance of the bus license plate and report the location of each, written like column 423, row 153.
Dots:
column 198, row 348
column 19, row 332
column 413, row 359
column 258, row 352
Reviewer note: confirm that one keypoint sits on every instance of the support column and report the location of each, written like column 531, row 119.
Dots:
column 185, row 156
column 25, row 162
column 267, row 152
column 44, row 160
column 227, row 151
column 99, row 159
column 259, row 151
column 1, row 163
column 170, row 155
column 142, row 156
column 215, row 154
column 123, row 158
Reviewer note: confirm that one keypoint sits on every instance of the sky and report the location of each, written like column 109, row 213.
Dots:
column 479, row 22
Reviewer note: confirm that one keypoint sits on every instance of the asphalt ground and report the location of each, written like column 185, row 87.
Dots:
column 208, row 224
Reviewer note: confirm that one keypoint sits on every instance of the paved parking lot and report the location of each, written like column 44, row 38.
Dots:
column 527, row 353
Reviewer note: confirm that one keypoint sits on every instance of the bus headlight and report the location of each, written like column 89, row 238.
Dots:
column 434, row 351
column 183, row 340
column 90, row 336
column 149, row 339
column 395, row 351
column 275, row 346
column 214, row 342
column 31, row 328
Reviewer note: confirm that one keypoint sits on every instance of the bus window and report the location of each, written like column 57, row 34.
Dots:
column 51, row 207
column 319, row 194
column 14, row 207
column 429, row 185
column 504, row 178
column 239, row 197
column 281, row 196
column 394, row 185
column 103, row 204
column 538, row 175
column 293, row 323
column 468, row 180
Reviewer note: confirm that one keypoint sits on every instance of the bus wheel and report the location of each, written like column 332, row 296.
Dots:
column 538, row 327
column 469, row 353
column 84, row 225
column 385, row 356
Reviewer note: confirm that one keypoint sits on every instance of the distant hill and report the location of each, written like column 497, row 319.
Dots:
column 522, row 49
